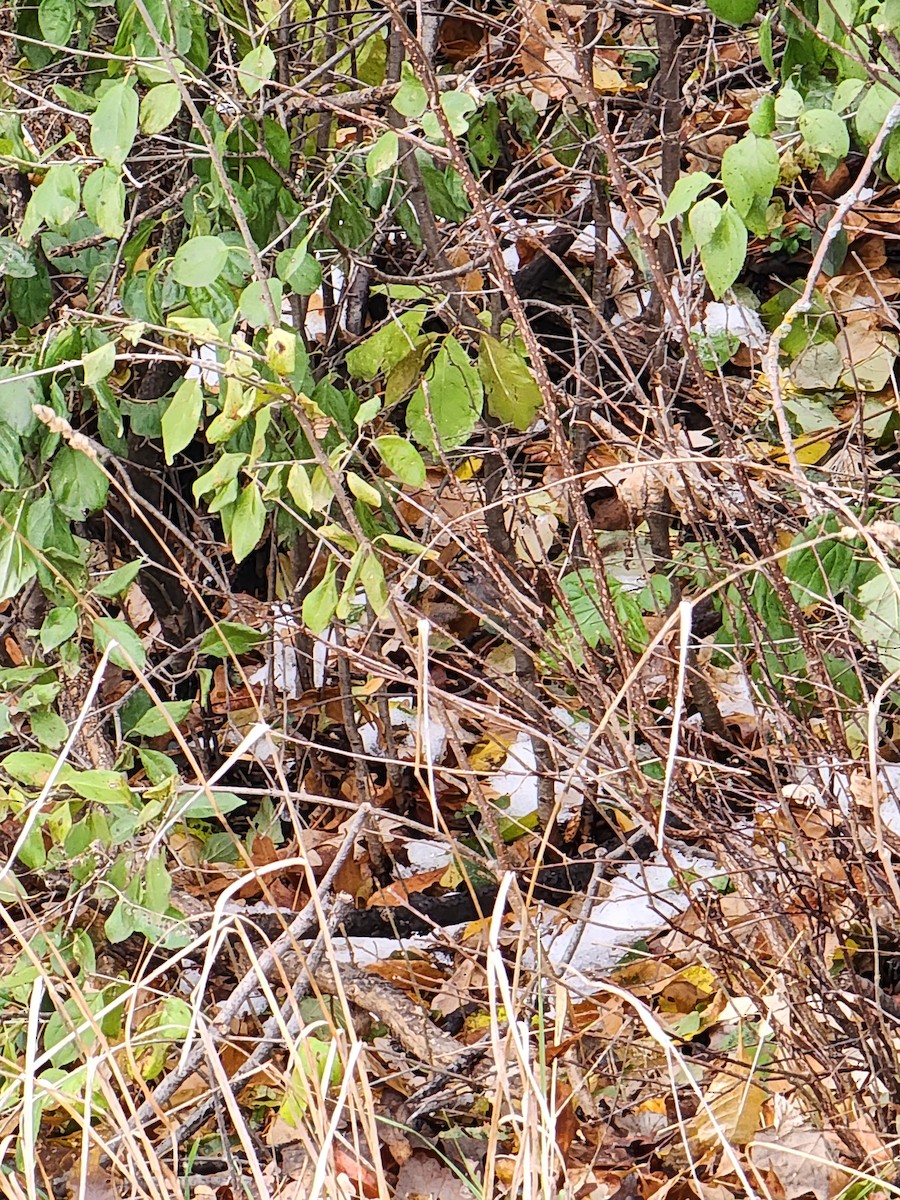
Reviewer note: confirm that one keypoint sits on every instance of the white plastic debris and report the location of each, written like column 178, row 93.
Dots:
column 518, row 779
column 853, row 793
column 738, row 320
column 201, row 369
column 643, row 898
column 285, row 677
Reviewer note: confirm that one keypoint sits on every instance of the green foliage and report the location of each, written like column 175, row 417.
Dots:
column 582, row 593
column 511, row 393
column 821, row 100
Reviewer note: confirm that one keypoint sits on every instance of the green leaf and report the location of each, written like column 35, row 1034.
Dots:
column 199, row 261
column 845, row 94
column 384, row 349
column 299, row 270
column 722, row 257
column 77, row 484
column 510, row 390
column 762, row 120
column 401, row 458
column 15, row 261
column 248, row 522
column 159, row 766
column 821, row 571
column 119, row 925
column 201, row 809
column 457, row 107
column 56, row 19
column 256, row 69
column 158, row 721
column 824, row 131
column 383, row 154
column 17, row 563
column 875, row 105
column 103, row 197
column 181, row 418
column 230, row 639
column 300, row 488
column 683, row 195
column 733, row 12
column 765, row 46
column 117, row 582
column 19, row 392
column 371, row 575
column 448, row 402
column 350, row 591
column 320, row 604
column 58, row 626
column 157, row 884
column 78, row 101
column 160, row 107
column 253, row 307
column 109, row 629
column 412, row 99
column 97, row 364
column 750, row 170
column 223, row 470
column 704, row 219
column 114, row 124
column 105, row 787
column 880, row 624
column 49, row 728
column 30, row 299
column 55, row 202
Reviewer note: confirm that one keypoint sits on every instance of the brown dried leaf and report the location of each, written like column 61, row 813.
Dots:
column 799, row 1159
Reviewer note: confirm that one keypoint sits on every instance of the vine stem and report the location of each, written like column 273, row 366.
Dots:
column 803, row 303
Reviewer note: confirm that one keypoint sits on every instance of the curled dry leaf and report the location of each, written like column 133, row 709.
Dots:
column 799, row 1160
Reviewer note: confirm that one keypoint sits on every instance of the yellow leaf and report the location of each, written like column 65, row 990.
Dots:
column 701, row 977
column 736, row 1104
column 491, row 752
column 607, row 80
column 468, row 469
column 807, row 454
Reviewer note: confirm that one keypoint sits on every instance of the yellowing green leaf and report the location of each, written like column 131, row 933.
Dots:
column 320, row 604
column 98, row 363
column 159, row 107
column 180, row 420
column 509, row 387
column 281, row 351
column 363, row 490
column 447, row 404
column 401, row 458
column 199, row 261
column 255, row 69
column 383, row 154
column 300, row 488
column 248, row 522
